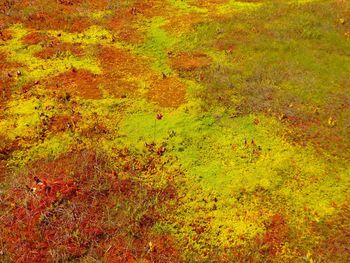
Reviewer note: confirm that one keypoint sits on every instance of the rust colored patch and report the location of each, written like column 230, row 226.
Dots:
column 5, row 35
column 3, row 170
column 57, row 21
column 76, row 82
column 276, row 234
column 130, row 35
column 121, row 24
column 120, row 20
column 63, row 123
column 190, row 61
column 118, row 66
column 150, row 8
column 121, row 61
column 117, row 86
column 35, row 38
column 55, row 49
column 225, row 46
column 98, row 4
column 57, row 210
column 168, row 92
column 182, row 24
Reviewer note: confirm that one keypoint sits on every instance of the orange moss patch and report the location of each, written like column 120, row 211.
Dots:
column 35, row 38
column 168, row 92
column 131, row 35
column 118, row 66
column 122, row 25
column 182, row 24
column 57, row 48
column 276, row 235
column 5, row 35
column 117, row 86
column 225, row 46
column 98, row 4
column 63, row 123
column 3, row 170
column 150, row 8
column 121, row 61
column 76, row 82
column 56, row 21
column 190, row 61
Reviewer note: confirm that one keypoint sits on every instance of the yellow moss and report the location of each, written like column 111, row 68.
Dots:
column 49, row 149
column 92, row 36
column 237, row 6
column 35, row 68
column 21, row 119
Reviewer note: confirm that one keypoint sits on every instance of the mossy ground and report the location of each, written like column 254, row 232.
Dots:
column 220, row 131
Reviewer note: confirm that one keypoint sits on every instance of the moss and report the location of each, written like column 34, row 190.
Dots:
column 156, row 44
column 93, row 35
column 239, row 167
column 48, row 150
column 217, row 162
column 184, row 6
column 34, row 68
column 238, row 6
column 22, row 118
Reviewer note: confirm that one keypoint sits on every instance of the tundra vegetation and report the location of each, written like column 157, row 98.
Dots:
column 174, row 131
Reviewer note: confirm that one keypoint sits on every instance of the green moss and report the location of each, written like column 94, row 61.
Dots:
column 212, row 152
column 156, row 44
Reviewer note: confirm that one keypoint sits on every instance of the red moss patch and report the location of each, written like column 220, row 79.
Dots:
column 56, row 48
column 35, row 38
column 63, row 123
column 168, row 92
column 76, row 208
column 122, row 26
column 98, row 4
column 76, row 82
column 120, row 60
column 118, row 66
column 190, row 61
column 57, row 21
column 5, row 35
column 276, row 235
column 150, row 8
column 130, row 35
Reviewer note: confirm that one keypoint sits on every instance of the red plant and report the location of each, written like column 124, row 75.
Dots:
column 76, row 206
